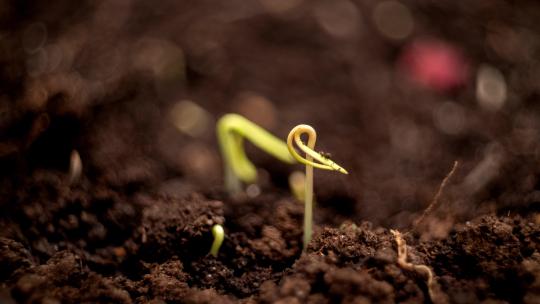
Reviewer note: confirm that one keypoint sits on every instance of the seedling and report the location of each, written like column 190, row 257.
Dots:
column 323, row 162
column 297, row 180
column 219, row 235
column 231, row 131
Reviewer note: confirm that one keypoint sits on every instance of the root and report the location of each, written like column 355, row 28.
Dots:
column 422, row 270
column 437, row 196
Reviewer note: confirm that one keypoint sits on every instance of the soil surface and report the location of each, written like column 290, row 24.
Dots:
column 111, row 177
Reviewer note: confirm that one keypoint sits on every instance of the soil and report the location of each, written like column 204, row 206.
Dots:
column 107, row 79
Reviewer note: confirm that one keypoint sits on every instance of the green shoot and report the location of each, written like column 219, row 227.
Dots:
column 219, row 235
column 231, row 131
column 297, row 180
column 323, row 162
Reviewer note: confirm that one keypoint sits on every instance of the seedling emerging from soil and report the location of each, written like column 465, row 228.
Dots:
column 423, row 270
column 219, row 235
column 297, row 180
column 323, row 162
column 231, row 131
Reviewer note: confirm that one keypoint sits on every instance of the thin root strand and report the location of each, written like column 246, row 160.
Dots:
column 422, row 270
column 437, row 196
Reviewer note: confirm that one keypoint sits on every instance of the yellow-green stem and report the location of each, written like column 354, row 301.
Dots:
column 323, row 163
column 297, row 184
column 231, row 131
column 219, row 235
column 308, row 202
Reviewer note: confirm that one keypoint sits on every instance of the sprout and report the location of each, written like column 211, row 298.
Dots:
column 323, row 163
column 219, row 235
column 297, row 180
column 231, row 131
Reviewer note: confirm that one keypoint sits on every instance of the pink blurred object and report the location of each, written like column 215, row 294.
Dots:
column 434, row 64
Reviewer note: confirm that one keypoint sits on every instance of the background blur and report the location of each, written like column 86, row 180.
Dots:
column 397, row 91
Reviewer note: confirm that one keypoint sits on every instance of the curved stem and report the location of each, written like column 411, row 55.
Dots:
column 324, row 163
column 231, row 131
column 219, row 235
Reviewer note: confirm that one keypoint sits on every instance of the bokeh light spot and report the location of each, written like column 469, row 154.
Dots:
column 338, row 18
column 190, row 118
column 490, row 88
column 393, row 20
column 34, row 37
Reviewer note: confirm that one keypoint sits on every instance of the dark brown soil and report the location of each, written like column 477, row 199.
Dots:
column 106, row 78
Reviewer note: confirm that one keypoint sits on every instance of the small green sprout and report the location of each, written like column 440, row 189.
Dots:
column 231, row 131
column 323, row 162
column 219, row 235
column 297, row 180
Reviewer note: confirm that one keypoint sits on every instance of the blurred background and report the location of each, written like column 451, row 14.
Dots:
column 397, row 91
